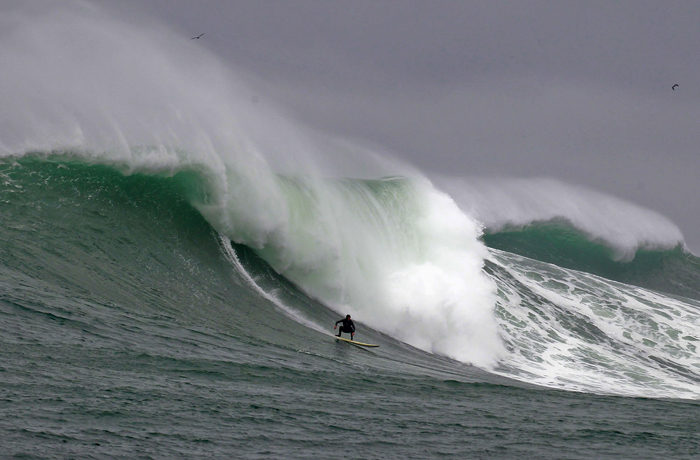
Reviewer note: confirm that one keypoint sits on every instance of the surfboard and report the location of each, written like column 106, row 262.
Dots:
column 359, row 344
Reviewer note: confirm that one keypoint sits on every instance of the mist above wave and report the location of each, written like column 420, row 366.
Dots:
column 513, row 202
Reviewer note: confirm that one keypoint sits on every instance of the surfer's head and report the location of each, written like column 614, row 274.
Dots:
column 347, row 316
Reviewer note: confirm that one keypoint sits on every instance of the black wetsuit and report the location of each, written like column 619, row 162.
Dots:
column 347, row 326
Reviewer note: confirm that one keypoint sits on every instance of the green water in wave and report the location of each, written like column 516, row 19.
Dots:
column 126, row 332
column 673, row 271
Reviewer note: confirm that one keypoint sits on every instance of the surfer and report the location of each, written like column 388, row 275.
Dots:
column 347, row 326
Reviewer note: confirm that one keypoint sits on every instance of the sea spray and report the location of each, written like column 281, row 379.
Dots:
column 396, row 253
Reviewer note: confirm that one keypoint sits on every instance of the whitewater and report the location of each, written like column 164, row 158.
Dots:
column 150, row 204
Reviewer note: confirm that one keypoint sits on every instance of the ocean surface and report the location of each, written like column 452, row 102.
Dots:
column 131, row 326
column 173, row 258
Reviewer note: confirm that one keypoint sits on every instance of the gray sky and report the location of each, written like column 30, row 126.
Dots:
column 578, row 91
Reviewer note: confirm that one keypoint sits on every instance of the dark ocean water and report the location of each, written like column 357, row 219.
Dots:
column 131, row 328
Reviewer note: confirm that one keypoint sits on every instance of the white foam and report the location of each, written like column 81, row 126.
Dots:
column 641, row 329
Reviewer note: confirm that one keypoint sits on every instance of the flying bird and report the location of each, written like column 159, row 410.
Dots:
column 675, row 85
column 197, row 37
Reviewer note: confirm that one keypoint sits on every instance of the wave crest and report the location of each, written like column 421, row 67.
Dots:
column 515, row 203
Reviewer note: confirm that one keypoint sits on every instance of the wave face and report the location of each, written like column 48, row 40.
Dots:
column 124, row 188
column 395, row 252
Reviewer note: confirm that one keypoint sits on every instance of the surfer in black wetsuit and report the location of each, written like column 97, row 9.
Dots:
column 347, row 326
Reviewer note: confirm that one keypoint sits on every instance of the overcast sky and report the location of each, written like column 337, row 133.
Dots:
column 578, row 91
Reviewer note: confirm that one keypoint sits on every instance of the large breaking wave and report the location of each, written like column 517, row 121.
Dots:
column 399, row 253
column 83, row 89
